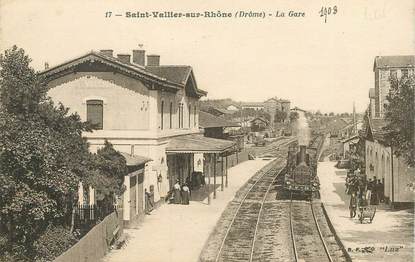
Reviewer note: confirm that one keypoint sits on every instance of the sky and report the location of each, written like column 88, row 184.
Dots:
column 317, row 65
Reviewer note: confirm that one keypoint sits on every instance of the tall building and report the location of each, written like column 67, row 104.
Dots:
column 384, row 68
column 381, row 163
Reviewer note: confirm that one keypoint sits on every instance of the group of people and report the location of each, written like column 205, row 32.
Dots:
column 180, row 194
column 363, row 192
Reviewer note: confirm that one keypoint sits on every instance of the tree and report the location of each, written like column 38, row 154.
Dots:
column 399, row 114
column 293, row 116
column 357, row 156
column 42, row 155
column 280, row 116
column 110, row 169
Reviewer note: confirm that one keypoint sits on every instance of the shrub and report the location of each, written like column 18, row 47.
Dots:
column 53, row 242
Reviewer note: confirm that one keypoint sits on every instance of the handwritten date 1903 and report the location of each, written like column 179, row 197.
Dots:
column 328, row 11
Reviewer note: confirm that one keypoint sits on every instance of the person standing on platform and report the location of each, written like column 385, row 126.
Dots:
column 148, row 203
column 185, row 194
column 380, row 189
column 177, row 198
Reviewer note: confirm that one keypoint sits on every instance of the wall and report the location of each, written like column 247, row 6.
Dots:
column 382, row 87
column 133, row 196
column 377, row 107
column 117, row 91
column 381, row 158
column 372, row 107
column 94, row 245
column 403, row 175
column 378, row 156
column 177, row 98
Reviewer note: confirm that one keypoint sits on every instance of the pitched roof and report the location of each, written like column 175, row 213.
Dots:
column 280, row 100
column 196, row 143
column 372, row 93
column 394, row 61
column 350, row 138
column 271, row 99
column 297, row 109
column 135, row 160
column 377, row 124
column 171, row 77
column 260, row 119
column 207, row 120
column 173, row 73
column 374, row 129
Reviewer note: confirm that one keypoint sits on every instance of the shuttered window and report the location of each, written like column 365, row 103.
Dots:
column 94, row 113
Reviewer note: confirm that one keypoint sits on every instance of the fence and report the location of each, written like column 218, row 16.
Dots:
column 86, row 216
column 94, row 245
column 237, row 158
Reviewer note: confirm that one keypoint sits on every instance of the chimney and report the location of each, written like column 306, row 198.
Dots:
column 107, row 52
column 153, row 60
column 139, row 57
column 302, row 155
column 46, row 65
column 124, row 58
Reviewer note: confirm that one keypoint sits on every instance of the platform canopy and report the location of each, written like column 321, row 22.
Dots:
column 135, row 162
column 197, row 143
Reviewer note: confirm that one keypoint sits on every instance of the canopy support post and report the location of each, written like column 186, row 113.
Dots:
column 214, row 176
column 226, row 172
column 221, row 173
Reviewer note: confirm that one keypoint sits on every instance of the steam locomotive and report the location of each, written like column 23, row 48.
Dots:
column 301, row 172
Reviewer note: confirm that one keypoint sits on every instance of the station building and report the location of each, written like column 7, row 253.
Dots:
column 382, row 163
column 148, row 111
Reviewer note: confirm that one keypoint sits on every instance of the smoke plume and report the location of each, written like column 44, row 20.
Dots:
column 302, row 129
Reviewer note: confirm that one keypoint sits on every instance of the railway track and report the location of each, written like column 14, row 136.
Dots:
column 310, row 238
column 258, row 226
column 239, row 240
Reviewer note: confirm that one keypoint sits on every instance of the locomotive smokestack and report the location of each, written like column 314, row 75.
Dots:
column 302, row 154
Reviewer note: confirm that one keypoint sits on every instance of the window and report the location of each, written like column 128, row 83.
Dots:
column 404, row 72
column 94, row 113
column 181, row 117
column 393, row 74
column 194, row 116
column 180, row 114
column 190, row 112
column 171, row 115
column 162, row 115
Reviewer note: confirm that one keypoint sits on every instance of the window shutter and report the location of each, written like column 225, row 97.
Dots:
column 94, row 113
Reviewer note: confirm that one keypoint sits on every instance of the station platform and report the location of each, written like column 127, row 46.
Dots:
column 390, row 236
column 178, row 232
